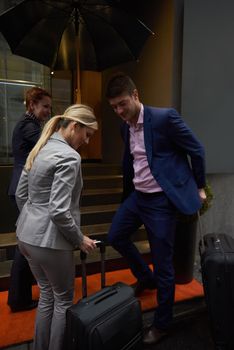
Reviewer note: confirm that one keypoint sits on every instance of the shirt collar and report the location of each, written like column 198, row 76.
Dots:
column 140, row 117
column 32, row 116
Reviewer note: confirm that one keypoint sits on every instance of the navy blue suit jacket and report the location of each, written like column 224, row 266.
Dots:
column 25, row 135
column 168, row 143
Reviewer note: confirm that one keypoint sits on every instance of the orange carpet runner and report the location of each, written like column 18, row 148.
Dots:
column 16, row 328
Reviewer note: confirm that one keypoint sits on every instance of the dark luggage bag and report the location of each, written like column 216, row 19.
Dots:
column 110, row 319
column 217, row 266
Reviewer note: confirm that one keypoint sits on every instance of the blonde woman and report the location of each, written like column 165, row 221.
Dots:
column 48, row 228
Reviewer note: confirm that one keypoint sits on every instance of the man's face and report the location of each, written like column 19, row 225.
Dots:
column 126, row 106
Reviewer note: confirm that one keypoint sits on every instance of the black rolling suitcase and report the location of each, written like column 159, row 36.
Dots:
column 110, row 319
column 217, row 266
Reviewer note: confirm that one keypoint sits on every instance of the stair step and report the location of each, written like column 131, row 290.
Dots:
column 101, row 196
column 8, row 240
column 98, row 208
column 100, row 231
column 101, row 169
column 5, row 267
column 100, row 191
column 98, row 214
column 111, row 253
column 102, row 181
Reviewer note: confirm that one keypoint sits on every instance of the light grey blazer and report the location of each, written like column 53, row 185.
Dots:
column 48, row 198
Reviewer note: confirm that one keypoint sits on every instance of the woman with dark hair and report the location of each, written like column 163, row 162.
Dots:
column 25, row 135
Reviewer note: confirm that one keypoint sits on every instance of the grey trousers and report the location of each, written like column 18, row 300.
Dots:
column 54, row 272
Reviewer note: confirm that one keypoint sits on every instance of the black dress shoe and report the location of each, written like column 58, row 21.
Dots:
column 140, row 286
column 18, row 308
column 153, row 336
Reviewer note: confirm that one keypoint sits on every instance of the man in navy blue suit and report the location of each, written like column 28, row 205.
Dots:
column 158, row 181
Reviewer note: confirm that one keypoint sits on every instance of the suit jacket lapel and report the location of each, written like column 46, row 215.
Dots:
column 148, row 136
column 127, row 136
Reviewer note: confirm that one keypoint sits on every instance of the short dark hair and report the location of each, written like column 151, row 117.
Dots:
column 119, row 84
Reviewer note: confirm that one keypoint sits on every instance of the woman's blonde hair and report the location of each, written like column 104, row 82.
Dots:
column 79, row 113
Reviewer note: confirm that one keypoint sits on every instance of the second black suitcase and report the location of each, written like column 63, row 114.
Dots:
column 217, row 265
column 108, row 319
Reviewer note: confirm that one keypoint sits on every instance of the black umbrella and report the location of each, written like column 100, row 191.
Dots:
column 95, row 34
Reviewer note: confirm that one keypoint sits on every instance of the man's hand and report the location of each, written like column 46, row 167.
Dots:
column 202, row 194
column 87, row 245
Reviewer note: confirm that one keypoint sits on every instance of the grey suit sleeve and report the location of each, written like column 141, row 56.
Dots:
column 65, row 177
column 21, row 194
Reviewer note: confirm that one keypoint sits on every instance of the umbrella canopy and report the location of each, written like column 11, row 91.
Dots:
column 95, row 34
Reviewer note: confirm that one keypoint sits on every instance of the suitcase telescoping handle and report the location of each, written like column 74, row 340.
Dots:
column 214, row 239
column 201, row 236
column 83, row 257
column 201, row 242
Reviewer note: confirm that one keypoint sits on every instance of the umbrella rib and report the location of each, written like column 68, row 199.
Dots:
column 117, row 7
column 116, row 31
column 146, row 27
column 91, row 12
column 48, row 2
column 64, row 10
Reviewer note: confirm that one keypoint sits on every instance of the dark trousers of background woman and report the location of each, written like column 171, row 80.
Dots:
column 21, row 280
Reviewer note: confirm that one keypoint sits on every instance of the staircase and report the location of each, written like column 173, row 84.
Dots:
column 101, row 197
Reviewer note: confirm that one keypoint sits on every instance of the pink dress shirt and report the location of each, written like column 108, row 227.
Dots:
column 143, row 179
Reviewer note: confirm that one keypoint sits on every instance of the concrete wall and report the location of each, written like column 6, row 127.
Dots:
column 208, row 78
column 207, row 99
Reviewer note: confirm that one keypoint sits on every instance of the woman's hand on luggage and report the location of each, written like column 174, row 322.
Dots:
column 87, row 245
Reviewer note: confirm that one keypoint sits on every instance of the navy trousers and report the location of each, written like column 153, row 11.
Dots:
column 158, row 215
column 21, row 278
